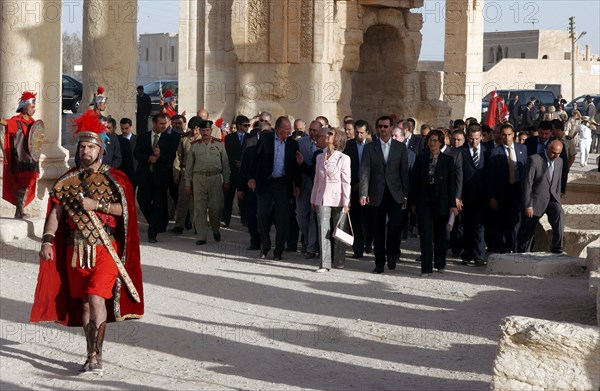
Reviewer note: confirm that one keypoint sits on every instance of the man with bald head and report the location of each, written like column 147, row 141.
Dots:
column 541, row 195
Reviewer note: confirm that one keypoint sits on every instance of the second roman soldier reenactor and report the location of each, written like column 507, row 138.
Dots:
column 22, row 144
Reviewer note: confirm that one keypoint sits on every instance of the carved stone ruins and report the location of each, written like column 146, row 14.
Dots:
column 306, row 58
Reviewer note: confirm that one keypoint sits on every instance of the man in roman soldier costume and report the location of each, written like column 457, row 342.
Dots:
column 497, row 111
column 89, row 273
column 169, row 103
column 99, row 101
column 22, row 144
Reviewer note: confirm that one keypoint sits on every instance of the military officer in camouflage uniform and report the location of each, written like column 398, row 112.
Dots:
column 207, row 172
column 185, row 202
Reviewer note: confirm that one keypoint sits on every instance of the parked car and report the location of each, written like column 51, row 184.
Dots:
column 153, row 89
column 579, row 101
column 72, row 91
column 542, row 97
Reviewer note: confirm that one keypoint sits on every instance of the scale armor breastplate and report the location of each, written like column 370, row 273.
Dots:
column 95, row 185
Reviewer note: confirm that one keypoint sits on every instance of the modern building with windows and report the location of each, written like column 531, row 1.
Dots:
column 158, row 57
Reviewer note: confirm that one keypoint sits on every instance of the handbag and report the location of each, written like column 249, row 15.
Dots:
column 340, row 234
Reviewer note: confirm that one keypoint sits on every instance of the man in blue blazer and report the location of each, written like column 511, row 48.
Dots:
column 505, row 171
column 275, row 177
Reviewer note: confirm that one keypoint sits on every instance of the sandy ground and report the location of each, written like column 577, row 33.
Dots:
column 218, row 318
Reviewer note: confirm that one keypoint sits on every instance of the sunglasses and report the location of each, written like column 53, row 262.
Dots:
column 383, row 126
column 263, row 120
column 245, row 125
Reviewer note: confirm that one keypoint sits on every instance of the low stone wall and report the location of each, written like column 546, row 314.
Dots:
column 538, row 264
column 535, row 354
column 593, row 265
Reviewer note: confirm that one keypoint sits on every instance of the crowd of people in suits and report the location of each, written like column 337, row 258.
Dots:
column 467, row 190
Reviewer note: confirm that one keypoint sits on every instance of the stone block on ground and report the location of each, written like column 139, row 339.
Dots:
column 593, row 258
column 535, row 264
column 536, row 354
column 15, row 229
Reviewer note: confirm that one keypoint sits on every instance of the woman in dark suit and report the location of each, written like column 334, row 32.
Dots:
column 433, row 199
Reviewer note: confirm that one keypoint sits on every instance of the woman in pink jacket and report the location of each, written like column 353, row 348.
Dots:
column 330, row 197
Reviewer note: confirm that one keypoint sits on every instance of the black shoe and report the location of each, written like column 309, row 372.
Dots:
column 264, row 253
column 277, row 257
column 251, row 247
column 378, row 270
column 200, row 242
column 217, row 236
column 357, row 256
column 310, row 255
column 480, row 263
column 368, row 249
column 152, row 240
column 557, row 251
column 391, row 265
column 176, row 230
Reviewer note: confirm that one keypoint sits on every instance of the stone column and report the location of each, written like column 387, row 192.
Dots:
column 110, row 54
column 463, row 57
column 30, row 50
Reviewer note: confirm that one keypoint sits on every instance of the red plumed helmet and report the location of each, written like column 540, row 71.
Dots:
column 90, row 129
column 219, row 122
column 26, row 98
column 100, row 90
column 168, row 94
column 27, row 95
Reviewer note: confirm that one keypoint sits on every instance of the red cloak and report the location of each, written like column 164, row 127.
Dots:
column 52, row 301
column 11, row 181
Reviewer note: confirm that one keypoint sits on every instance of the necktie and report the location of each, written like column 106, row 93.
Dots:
column 386, row 151
column 154, row 144
column 511, row 165
column 360, row 152
column 241, row 137
column 550, row 170
column 475, row 157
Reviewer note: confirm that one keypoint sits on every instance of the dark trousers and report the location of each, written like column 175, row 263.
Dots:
column 474, row 233
column 393, row 211
column 457, row 236
column 274, row 202
column 432, row 237
column 293, row 229
column 250, row 201
column 506, row 221
column 229, row 196
column 154, row 206
column 361, row 222
column 526, row 233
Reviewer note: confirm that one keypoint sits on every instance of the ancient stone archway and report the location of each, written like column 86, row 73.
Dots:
column 380, row 75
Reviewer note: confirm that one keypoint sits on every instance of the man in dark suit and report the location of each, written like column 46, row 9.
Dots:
column 126, row 127
column 541, row 195
column 528, row 116
column 412, row 141
column 143, row 110
column 124, row 147
column 473, row 197
column 155, row 152
column 275, row 177
column 358, row 213
column 233, row 146
column 384, row 186
column 504, row 173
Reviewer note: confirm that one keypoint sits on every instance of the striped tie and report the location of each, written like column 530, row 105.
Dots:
column 475, row 157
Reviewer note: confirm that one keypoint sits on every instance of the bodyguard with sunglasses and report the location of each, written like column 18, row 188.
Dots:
column 384, row 186
column 234, row 143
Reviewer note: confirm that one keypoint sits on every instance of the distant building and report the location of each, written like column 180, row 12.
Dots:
column 158, row 57
column 529, row 44
column 532, row 59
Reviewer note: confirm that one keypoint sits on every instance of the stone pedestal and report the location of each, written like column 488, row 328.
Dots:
column 110, row 54
column 30, row 46
column 535, row 354
column 535, row 264
column 463, row 57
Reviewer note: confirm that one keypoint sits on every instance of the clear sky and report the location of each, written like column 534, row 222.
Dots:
column 156, row 16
